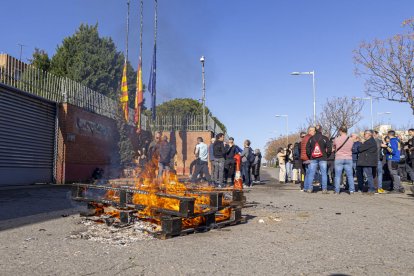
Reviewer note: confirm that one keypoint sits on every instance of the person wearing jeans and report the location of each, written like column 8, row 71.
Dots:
column 343, row 159
column 368, row 158
column 304, row 156
column 344, row 165
column 310, row 174
column 393, row 158
column 289, row 163
column 318, row 149
column 219, row 153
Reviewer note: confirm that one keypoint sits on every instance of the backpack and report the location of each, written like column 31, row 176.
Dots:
column 296, row 151
column 317, row 152
column 251, row 157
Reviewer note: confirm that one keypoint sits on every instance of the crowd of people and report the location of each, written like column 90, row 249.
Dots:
column 214, row 163
column 348, row 162
column 223, row 156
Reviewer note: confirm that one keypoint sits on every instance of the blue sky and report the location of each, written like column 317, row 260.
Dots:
column 250, row 48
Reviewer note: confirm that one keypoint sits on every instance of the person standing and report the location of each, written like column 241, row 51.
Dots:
column 357, row 170
column 201, row 167
column 406, row 164
column 410, row 148
column 230, row 163
column 330, row 165
column 380, row 170
column 281, row 157
column 153, row 146
column 166, row 153
column 343, row 160
column 297, row 162
column 211, row 158
column 256, row 165
column 247, row 156
column 289, row 162
column 393, row 158
column 318, row 149
column 305, row 159
column 219, row 153
column 368, row 158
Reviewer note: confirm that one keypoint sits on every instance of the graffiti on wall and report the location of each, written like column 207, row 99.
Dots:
column 92, row 128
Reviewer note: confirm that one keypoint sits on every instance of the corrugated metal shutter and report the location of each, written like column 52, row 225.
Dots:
column 27, row 138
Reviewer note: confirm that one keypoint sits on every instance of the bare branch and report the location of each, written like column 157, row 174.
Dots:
column 388, row 66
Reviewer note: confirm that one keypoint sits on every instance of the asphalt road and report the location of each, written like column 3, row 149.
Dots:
column 288, row 232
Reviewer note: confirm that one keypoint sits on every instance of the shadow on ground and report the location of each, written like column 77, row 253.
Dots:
column 31, row 205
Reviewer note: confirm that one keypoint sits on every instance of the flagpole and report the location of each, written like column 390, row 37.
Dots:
column 127, row 32
column 156, row 22
column 124, row 83
column 141, row 28
column 154, row 62
column 139, row 93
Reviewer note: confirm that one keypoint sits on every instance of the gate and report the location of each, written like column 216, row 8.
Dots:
column 27, row 138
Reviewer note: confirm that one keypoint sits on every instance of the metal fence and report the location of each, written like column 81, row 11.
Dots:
column 64, row 90
column 184, row 123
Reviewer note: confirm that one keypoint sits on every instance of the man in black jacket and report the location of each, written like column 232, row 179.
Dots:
column 410, row 145
column 318, row 149
column 219, row 153
column 230, row 163
column 368, row 159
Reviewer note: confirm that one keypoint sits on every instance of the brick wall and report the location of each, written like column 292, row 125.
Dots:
column 87, row 140
column 185, row 142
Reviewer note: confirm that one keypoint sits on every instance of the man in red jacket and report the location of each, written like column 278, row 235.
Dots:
column 304, row 157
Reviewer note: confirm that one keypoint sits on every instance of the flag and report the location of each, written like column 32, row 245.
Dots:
column 152, row 82
column 124, row 92
column 138, row 97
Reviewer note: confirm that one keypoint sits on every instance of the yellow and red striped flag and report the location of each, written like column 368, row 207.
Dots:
column 124, row 92
column 138, row 97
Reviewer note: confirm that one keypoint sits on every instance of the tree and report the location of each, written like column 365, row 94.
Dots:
column 274, row 144
column 92, row 60
column 34, row 77
column 184, row 107
column 337, row 112
column 40, row 60
column 389, row 66
column 125, row 148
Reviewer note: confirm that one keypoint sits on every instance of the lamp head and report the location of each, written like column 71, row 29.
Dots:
column 202, row 59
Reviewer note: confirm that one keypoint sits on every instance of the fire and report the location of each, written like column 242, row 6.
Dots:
column 164, row 193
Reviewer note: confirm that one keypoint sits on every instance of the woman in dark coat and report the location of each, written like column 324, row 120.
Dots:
column 256, row 166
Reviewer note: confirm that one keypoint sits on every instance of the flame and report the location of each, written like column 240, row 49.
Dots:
column 154, row 195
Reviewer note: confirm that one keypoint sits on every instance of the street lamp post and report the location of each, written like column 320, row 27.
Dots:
column 367, row 99
column 287, row 127
column 203, row 99
column 382, row 113
column 314, row 90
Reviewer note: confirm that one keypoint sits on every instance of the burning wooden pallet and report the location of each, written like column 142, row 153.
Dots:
column 184, row 211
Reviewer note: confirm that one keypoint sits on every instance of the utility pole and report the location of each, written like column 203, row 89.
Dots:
column 21, row 50
column 203, row 99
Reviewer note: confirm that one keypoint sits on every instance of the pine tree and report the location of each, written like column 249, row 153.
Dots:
column 125, row 148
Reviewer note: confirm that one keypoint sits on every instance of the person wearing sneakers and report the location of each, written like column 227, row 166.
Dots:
column 368, row 158
column 380, row 171
column 318, row 149
column 343, row 159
